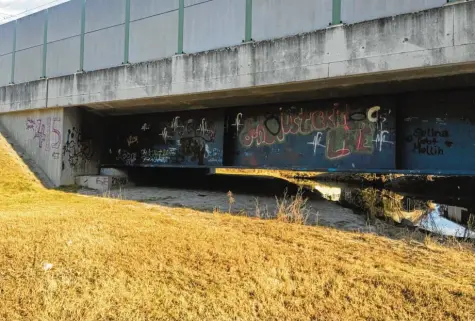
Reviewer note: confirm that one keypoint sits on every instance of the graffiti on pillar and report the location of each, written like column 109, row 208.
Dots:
column 429, row 141
column 339, row 131
column 76, row 150
column 187, row 138
column 46, row 131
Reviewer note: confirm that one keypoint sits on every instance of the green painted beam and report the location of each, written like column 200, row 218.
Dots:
column 127, row 32
column 248, row 32
column 12, row 74
column 83, row 33
column 45, row 44
column 181, row 25
column 336, row 13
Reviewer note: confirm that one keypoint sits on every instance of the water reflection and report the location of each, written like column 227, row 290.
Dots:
column 446, row 220
column 435, row 222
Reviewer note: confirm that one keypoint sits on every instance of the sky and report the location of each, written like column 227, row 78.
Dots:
column 13, row 9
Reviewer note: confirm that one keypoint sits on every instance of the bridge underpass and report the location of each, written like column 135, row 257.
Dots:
column 389, row 130
column 390, row 95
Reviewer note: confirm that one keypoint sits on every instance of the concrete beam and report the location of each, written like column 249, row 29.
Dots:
column 436, row 42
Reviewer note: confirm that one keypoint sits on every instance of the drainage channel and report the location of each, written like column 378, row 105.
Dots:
column 355, row 207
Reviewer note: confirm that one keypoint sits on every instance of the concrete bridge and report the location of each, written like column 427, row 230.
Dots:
column 334, row 85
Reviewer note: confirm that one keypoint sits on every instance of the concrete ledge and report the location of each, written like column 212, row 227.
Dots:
column 30, row 95
column 101, row 183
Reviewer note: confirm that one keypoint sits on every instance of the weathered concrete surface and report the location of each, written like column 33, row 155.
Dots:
column 30, row 95
column 432, row 43
column 98, row 183
column 101, row 183
column 30, row 162
column 53, row 140
column 39, row 133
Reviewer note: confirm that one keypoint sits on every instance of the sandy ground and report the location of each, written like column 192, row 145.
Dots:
column 320, row 212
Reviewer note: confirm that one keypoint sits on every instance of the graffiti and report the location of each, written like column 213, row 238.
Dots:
column 382, row 135
column 118, row 181
column 203, row 129
column 337, row 130
column 193, row 148
column 185, row 138
column 46, row 132
column 102, row 181
column 371, row 114
column 55, row 155
column 163, row 156
column 132, row 140
column 238, row 122
column 273, row 129
column 317, row 142
column 164, row 135
column 428, row 141
column 214, row 155
column 77, row 149
column 126, row 157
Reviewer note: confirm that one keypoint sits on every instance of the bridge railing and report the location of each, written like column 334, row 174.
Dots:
column 86, row 35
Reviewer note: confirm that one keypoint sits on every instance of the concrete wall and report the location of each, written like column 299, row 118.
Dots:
column 192, row 138
column 64, row 40
column 279, row 18
column 40, row 134
column 346, row 134
column 213, row 24
column 29, row 46
column 105, row 34
column 353, row 11
column 81, row 145
column 58, row 140
column 153, row 29
column 154, row 25
column 6, row 49
column 406, row 45
column 437, row 131
column 5, row 69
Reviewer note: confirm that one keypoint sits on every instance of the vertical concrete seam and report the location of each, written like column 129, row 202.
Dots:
column 45, row 44
column 83, row 32
column 181, row 26
column 127, row 32
column 47, row 93
column 12, row 72
column 453, row 26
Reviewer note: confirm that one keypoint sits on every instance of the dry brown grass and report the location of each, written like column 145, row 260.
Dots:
column 120, row 260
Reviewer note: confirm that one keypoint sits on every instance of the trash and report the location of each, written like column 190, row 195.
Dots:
column 47, row 266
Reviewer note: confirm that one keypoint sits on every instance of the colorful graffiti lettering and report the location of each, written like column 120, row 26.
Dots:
column 336, row 130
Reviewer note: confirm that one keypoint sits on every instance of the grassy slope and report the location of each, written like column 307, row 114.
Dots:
column 118, row 260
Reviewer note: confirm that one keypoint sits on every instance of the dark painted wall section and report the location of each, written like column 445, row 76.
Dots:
column 338, row 134
column 437, row 131
column 424, row 131
column 190, row 138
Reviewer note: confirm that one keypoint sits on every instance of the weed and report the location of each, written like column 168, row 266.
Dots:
column 231, row 201
column 292, row 209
